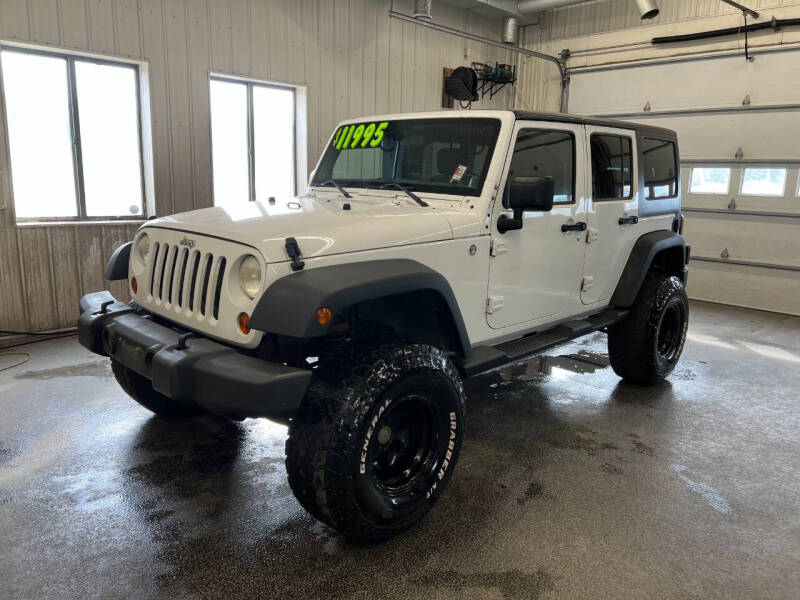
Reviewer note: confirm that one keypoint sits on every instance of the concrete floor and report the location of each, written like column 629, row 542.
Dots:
column 570, row 485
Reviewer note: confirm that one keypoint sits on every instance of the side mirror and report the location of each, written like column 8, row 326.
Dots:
column 531, row 193
column 527, row 193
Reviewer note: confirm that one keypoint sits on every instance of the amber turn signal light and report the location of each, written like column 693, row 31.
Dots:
column 324, row 316
column 244, row 323
column 134, row 285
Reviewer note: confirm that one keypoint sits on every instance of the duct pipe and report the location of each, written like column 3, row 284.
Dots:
column 510, row 30
column 648, row 9
column 535, row 6
column 422, row 10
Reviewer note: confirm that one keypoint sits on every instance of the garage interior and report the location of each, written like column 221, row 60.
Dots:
column 571, row 483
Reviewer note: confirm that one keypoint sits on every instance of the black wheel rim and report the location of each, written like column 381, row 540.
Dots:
column 403, row 451
column 670, row 331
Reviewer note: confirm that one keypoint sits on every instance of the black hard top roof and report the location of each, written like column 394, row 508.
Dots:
column 579, row 120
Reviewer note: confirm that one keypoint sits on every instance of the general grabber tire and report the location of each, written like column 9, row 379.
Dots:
column 376, row 438
column 646, row 346
column 140, row 389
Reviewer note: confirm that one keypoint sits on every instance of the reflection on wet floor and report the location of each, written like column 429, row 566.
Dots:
column 559, row 366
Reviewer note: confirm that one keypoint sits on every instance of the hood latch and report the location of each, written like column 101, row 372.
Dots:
column 294, row 254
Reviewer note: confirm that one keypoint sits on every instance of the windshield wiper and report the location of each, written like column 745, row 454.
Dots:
column 338, row 187
column 405, row 190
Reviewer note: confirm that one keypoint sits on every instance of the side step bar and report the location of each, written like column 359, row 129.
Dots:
column 486, row 358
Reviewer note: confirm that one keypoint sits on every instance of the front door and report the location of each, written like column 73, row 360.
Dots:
column 613, row 210
column 535, row 272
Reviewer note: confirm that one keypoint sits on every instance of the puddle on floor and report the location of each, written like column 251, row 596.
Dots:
column 91, row 369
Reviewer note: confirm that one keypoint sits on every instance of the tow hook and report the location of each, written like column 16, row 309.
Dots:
column 183, row 339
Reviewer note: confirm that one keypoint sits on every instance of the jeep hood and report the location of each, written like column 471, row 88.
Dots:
column 323, row 227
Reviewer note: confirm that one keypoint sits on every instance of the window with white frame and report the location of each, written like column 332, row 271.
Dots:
column 74, row 136
column 710, row 180
column 253, row 141
column 758, row 181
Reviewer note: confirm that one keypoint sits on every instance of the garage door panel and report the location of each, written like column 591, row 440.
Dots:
column 770, row 240
column 752, row 287
column 687, row 85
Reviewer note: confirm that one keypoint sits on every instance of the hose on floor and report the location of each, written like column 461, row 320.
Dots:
column 26, row 357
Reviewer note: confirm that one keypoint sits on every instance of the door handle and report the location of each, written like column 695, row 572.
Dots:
column 628, row 220
column 580, row 226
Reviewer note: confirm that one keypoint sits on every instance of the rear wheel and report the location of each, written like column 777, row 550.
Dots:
column 646, row 346
column 141, row 389
column 376, row 439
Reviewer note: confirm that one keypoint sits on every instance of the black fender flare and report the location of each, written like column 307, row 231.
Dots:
column 289, row 306
column 639, row 262
column 117, row 267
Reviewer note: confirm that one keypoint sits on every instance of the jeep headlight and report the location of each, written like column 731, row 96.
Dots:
column 142, row 247
column 250, row 275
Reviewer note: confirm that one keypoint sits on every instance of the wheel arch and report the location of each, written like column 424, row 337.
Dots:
column 288, row 307
column 663, row 251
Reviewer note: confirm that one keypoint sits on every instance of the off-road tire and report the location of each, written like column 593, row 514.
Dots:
column 140, row 389
column 646, row 346
column 339, row 436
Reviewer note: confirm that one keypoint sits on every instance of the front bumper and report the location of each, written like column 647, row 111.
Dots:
column 206, row 373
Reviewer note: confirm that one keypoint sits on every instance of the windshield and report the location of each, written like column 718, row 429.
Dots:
column 445, row 156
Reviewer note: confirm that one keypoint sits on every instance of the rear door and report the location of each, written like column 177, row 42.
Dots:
column 613, row 210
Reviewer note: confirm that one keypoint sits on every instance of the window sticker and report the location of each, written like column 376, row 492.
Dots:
column 458, row 174
column 359, row 135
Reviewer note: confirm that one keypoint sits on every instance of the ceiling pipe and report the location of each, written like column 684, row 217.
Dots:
column 535, row 6
column 648, row 9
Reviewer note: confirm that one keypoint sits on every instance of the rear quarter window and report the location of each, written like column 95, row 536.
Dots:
column 660, row 166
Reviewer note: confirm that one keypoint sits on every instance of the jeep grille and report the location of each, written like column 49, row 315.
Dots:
column 186, row 279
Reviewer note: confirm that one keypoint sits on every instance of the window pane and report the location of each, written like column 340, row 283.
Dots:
column 764, row 182
column 660, row 169
column 710, row 180
column 108, row 111
column 541, row 153
column 273, row 136
column 611, row 167
column 40, row 137
column 229, row 143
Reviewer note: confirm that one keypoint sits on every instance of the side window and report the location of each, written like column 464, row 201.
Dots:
column 612, row 167
column 660, row 169
column 545, row 153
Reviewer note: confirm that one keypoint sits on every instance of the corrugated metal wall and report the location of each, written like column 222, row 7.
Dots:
column 351, row 56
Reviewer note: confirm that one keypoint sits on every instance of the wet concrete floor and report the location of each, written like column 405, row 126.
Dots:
column 571, row 484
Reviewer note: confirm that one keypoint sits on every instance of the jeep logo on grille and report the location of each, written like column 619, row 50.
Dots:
column 187, row 242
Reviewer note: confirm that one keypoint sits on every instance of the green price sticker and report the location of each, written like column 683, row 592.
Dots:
column 360, row 135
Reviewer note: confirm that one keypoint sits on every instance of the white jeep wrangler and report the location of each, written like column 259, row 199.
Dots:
column 429, row 248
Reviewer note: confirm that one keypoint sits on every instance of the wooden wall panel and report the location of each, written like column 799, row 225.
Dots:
column 352, row 58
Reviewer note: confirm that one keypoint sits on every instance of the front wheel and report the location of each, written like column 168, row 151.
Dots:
column 646, row 346
column 376, row 439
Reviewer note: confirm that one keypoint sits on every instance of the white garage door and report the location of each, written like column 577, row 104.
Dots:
column 738, row 124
